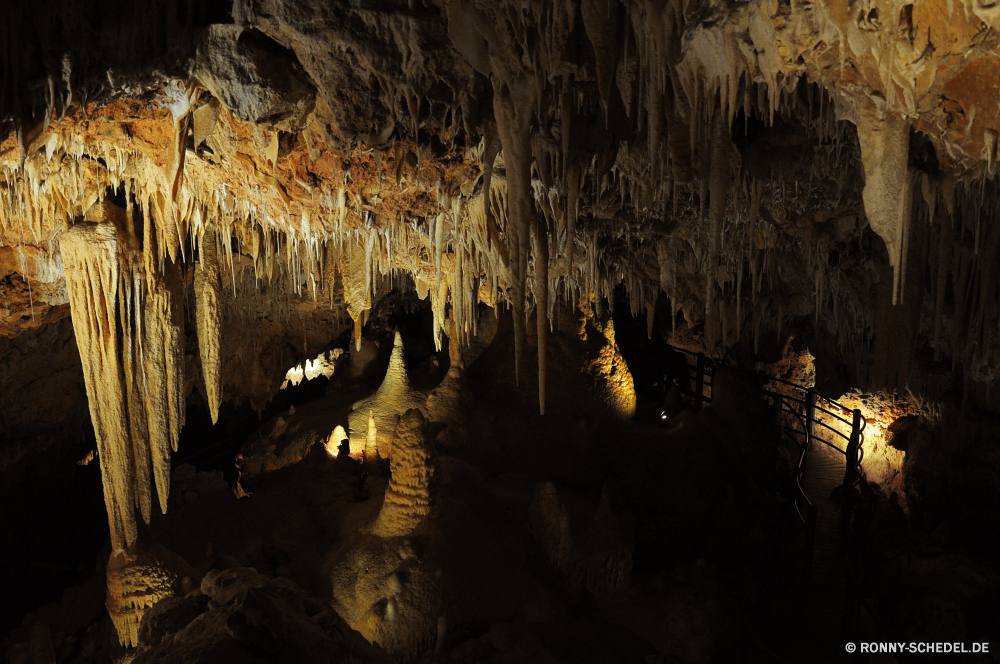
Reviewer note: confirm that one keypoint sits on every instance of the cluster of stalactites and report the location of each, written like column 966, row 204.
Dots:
column 129, row 322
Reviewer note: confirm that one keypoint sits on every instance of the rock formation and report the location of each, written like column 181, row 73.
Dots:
column 609, row 372
column 407, row 499
column 593, row 548
column 138, row 578
column 385, row 588
column 269, row 179
column 382, row 410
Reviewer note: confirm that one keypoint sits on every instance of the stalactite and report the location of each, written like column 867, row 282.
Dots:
column 541, row 237
column 208, row 298
column 718, row 187
column 131, row 316
column 163, row 347
column 513, row 114
column 887, row 195
column 438, row 248
column 572, row 203
column 491, row 148
column 93, row 259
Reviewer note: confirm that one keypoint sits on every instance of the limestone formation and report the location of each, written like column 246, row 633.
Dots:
column 384, row 588
column 138, row 578
column 370, row 454
column 133, row 365
column 272, row 172
column 444, row 403
column 388, row 594
column 337, row 436
column 592, row 547
column 610, row 373
column 407, row 500
column 393, row 398
column 208, row 296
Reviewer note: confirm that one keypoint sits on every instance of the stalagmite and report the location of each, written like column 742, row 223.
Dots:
column 336, row 438
column 407, row 499
column 208, row 302
column 393, row 398
column 139, row 577
column 388, row 586
column 371, row 441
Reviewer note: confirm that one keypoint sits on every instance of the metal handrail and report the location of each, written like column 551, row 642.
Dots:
column 805, row 416
column 839, row 433
column 833, row 415
column 836, row 403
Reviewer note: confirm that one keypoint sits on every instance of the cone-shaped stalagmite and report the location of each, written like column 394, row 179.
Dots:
column 371, row 441
column 393, row 398
column 407, row 499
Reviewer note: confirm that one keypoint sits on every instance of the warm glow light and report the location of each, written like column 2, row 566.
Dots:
column 882, row 462
column 322, row 365
column 337, row 436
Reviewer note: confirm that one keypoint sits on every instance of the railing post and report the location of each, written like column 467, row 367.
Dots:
column 699, row 382
column 851, row 472
column 810, row 415
column 810, row 543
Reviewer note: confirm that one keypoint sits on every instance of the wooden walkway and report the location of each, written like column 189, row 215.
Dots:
column 801, row 617
column 804, row 625
column 824, row 592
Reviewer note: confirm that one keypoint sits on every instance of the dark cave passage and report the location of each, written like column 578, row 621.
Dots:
column 462, row 331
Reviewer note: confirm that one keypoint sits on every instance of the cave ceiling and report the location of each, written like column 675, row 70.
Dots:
column 190, row 181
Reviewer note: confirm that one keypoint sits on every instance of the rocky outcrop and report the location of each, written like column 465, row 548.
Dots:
column 591, row 547
column 393, row 398
column 138, row 578
column 256, row 78
column 386, row 587
column 268, row 620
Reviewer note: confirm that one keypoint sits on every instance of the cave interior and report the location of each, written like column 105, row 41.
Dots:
column 507, row 331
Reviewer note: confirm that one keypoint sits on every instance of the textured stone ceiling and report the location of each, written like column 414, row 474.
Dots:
column 218, row 178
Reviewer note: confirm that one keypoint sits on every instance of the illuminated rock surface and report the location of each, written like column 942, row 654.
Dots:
column 498, row 212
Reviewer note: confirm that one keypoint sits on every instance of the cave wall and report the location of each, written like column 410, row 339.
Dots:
column 213, row 188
